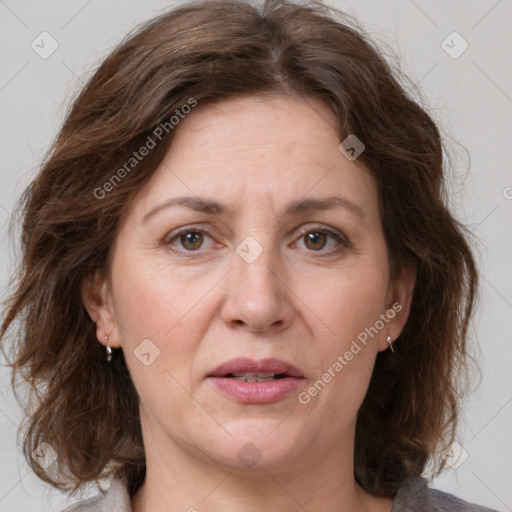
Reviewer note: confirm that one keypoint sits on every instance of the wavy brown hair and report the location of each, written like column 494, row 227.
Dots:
column 86, row 408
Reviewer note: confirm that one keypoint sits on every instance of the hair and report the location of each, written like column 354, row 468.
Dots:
column 207, row 51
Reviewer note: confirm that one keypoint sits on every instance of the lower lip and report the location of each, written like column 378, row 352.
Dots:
column 256, row 392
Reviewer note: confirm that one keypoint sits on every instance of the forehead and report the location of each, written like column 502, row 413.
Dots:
column 258, row 150
column 261, row 126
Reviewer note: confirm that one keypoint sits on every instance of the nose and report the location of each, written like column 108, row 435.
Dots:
column 258, row 297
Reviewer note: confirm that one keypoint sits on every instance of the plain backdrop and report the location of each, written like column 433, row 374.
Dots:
column 469, row 93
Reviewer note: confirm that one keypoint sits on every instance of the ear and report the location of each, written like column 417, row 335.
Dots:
column 97, row 300
column 398, row 307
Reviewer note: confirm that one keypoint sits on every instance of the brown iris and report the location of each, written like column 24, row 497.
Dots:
column 313, row 239
column 192, row 240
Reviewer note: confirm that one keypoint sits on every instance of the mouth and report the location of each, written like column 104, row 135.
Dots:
column 256, row 382
column 243, row 368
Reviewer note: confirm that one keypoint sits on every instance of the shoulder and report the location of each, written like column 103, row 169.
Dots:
column 416, row 496
column 115, row 499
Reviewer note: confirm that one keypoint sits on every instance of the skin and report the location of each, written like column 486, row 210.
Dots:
column 299, row 301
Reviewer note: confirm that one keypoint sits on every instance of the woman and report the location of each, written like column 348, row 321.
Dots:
column 237, row 263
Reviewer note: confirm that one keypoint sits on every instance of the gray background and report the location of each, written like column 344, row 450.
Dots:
column 470, row 96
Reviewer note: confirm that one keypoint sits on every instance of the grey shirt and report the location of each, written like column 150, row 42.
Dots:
column 413, row 496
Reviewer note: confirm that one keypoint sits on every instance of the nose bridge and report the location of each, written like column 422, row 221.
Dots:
column 255, row 262
column 257, row 295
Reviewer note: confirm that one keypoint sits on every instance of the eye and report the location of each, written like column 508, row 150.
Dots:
column 319, row 239
column 187, row 240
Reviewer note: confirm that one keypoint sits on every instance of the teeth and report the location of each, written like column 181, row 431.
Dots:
column 249, row 378
column 255, row 377
column 255, row 374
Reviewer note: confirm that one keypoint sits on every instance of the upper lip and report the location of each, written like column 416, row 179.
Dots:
column 245, row 364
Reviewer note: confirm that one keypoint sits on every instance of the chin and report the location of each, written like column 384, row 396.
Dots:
column 263, row 444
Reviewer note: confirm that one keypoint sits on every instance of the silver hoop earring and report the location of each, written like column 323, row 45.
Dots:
column 388, row 339
column 108, row 350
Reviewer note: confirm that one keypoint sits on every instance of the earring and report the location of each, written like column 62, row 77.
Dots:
column 108, row 350
column 388, row 339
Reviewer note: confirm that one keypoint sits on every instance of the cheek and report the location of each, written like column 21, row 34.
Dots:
column 171, row 311
column 345, row 302
column 345, row 306
column 154, row 300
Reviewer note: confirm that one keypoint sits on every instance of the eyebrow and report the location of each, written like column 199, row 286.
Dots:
column 294, row 208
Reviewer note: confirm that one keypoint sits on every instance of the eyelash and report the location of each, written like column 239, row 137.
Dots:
column 339, row 238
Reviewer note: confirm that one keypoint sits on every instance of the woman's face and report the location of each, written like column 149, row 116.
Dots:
column 277, row 256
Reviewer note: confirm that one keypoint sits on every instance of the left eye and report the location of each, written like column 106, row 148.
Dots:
column 317, row 239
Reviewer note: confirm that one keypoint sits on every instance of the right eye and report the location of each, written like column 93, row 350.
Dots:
column 187, row 241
